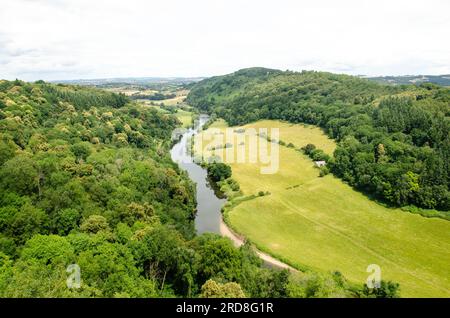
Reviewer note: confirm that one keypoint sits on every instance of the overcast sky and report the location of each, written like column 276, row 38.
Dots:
column 72, row 39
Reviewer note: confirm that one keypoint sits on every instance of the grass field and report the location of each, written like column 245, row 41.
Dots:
column 185, row 117
column 220, row 123
column 171, row 102
column 323, row 224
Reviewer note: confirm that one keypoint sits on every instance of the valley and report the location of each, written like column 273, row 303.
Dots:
column 258, row 152
column 312, row 221
column 323, row 224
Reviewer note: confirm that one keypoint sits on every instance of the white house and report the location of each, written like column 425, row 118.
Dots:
column 320, row 163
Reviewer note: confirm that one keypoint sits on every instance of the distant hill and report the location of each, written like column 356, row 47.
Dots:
column 131, row 80
column 390, row 137
column 443, row 80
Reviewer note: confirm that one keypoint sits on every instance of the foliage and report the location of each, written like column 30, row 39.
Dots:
column 94, row 224
column 155, row 96
column 212, row 289
column 313, row 285
column 386, row 290
column 76, row 160
column 314, row 153
column 218, row 171
column 324, row 171
column 86, row 179
column 393, row 140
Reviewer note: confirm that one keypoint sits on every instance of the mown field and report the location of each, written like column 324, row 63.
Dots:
column 322, row 223
column 185, row 117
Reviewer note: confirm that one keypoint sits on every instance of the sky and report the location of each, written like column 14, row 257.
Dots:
column 74, row 39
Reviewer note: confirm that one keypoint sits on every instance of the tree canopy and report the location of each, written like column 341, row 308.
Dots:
column 393, row 141
column 87, row 184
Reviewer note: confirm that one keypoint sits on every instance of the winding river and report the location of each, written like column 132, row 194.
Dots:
column 209, row 215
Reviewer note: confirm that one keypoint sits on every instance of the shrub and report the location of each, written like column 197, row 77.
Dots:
column 218, row 171
column 308, row 148
column 324, row 171
column 386, row 290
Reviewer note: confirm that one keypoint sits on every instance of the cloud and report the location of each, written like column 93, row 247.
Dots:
column 61, row 39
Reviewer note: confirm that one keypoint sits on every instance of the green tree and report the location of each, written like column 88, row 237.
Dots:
column 386, row 290
column 81, row 150
column 66, row 220
column 218, row 258
column 218, row 171
column 212, row 289
column 308, row 148
column 33, row 279
column 19, row 174
column 381, row 153
column 94, row 223
column 7, row 150
column 48, row 249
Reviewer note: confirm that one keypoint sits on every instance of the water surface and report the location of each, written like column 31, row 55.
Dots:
column 208, row 215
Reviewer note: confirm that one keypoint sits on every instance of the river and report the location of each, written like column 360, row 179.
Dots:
column 208, row 217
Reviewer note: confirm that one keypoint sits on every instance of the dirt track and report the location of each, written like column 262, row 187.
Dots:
column 238, row 241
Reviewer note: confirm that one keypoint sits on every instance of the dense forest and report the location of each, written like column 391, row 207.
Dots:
column 86, row 179
column 393, row 141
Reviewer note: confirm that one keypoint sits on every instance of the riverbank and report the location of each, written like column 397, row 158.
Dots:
column 321, row 223
column 239, row 240
column 209, row 216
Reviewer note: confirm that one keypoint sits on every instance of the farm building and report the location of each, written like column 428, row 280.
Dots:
column 320, row 163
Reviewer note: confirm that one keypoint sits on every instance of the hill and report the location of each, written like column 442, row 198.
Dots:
column 443, row 80
column 393, row 141
column 88, row 190
column 313, row 221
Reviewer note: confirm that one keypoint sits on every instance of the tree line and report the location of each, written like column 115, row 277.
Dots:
column 155, row 96
column 86, row 178
column 393, row 141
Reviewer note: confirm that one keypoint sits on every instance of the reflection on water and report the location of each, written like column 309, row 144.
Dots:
column 208, row 204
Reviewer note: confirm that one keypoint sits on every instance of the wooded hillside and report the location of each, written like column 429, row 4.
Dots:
column 394, row 141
